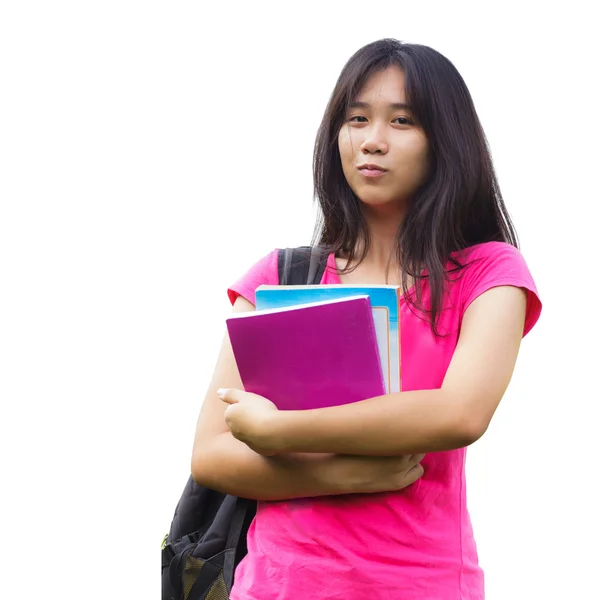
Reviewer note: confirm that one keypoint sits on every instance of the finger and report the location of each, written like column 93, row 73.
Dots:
column 414, row 474
column 228, row 396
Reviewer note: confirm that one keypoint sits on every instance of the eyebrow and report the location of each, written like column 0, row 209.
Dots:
column 392, row 105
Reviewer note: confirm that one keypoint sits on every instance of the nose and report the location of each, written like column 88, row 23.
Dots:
column 374, row 141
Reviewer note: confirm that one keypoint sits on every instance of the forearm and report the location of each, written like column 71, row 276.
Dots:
column 229, row 466
column 394, row 424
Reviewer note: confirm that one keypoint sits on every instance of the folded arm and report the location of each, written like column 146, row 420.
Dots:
column 451, row 417
column 221, row 462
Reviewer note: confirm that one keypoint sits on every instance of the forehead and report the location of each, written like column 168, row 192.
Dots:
column 386, row 85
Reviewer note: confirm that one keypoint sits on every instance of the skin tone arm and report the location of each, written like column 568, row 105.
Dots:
column 453, row 416
column 221, row 462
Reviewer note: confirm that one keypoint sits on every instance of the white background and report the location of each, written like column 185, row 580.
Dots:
column 150, row 153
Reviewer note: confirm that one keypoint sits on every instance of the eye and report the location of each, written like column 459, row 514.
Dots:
column 353, row 119
column 403, row 121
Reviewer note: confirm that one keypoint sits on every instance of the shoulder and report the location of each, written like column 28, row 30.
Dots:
column 494, row 264
column 262, row 272
column 494, row 260
column 486, row 250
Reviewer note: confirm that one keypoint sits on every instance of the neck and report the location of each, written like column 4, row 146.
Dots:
column 383, row 228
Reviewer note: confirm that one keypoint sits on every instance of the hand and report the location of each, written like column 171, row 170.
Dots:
column 372, row 474
column 251, row 419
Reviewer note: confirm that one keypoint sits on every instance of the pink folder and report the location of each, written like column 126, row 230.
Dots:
column 309, row 356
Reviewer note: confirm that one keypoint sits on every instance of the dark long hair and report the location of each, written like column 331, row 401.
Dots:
column 459, row 205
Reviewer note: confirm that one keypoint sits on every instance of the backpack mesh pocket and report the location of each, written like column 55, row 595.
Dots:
column 192, row 570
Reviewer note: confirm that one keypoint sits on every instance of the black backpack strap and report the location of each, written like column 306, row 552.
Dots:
column 243, row 509
column 301, row 266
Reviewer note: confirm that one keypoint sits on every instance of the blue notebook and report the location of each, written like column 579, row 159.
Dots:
column 385, row 304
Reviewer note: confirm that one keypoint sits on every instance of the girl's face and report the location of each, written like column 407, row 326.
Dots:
column 380, row 131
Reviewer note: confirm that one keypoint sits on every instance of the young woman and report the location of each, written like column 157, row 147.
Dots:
column 350, row 506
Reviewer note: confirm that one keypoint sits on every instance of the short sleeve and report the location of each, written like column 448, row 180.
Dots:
column 264, row 272
column 495, row 264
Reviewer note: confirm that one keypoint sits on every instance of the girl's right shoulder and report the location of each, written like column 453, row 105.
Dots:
column 263, row 272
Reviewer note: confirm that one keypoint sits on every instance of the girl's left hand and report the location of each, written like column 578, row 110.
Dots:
column 251, row 419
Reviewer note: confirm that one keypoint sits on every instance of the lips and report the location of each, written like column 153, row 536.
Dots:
column 371, row 167
column 372, row 171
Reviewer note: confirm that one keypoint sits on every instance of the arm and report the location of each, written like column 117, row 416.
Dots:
column 221, row 462
column 451, row 417
column 230, row 466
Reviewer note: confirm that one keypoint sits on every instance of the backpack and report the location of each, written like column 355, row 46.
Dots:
column 207, row 538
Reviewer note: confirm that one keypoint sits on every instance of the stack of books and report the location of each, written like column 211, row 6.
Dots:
column 315, row 346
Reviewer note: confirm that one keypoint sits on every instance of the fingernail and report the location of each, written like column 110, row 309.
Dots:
column 221, row 393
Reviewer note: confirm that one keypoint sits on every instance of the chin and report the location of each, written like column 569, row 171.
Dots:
column 376, row 200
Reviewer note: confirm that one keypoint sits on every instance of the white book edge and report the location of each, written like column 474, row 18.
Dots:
column 268, row 311
column 365, row 286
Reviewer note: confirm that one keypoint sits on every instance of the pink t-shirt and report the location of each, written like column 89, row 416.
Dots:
column 414, row 544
